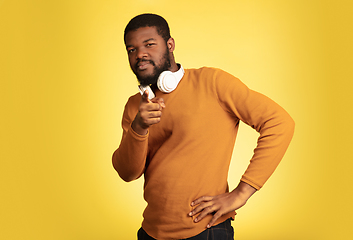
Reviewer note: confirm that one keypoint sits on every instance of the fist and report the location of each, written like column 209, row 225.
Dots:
column 150, row 112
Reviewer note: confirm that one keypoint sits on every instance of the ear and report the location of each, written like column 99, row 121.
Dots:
column 171, row 44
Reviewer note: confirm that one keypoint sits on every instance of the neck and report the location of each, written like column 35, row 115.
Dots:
column 174, row 67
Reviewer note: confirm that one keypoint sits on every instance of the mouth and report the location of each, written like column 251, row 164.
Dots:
column 142, row 65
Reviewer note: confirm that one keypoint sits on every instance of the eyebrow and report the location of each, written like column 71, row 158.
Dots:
column 147, row 40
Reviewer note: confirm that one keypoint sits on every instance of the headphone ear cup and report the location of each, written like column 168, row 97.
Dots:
column 167, row 81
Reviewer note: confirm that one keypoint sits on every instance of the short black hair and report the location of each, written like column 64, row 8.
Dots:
column 149, row 20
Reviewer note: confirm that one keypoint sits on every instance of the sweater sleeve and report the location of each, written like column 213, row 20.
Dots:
column 274, row 124
column 130, row 158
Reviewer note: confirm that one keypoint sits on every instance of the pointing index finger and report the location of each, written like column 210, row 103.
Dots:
column 145, row 97
column 149, row 95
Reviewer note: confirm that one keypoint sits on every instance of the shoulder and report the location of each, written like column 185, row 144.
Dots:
column 134, row 99
column 132, row 104
column 208, row 73
column 203, row 70
column 212, row 75
column 131, row 109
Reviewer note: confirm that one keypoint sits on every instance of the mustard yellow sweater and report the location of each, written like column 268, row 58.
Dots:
column 187, row 154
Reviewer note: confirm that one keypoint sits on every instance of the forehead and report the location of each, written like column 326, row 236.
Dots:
column 142, row 34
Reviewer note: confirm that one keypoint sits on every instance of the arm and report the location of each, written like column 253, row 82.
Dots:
column 276, row 129
column 130, row 158
column 270, row 120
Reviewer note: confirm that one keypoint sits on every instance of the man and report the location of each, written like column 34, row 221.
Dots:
column 182, row 141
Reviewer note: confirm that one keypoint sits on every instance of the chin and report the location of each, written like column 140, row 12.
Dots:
column 147, row 80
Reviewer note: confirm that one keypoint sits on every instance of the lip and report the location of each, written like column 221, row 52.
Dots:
column 143, row 65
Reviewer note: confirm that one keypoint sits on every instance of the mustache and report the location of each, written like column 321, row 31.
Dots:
column 144, row 60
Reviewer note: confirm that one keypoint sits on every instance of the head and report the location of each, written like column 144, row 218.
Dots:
column 149, row 20
column 150, row 47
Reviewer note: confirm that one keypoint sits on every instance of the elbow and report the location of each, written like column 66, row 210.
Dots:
column 288, row 126
column 125, row 174
column 127, row 178
column 291, row 124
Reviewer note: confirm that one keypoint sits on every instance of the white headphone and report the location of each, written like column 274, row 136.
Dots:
column 167, row 82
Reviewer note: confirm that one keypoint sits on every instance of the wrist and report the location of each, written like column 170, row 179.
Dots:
column 244, row 190
column 138, row 128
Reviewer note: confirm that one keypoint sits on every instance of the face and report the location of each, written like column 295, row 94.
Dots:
column 148, row 54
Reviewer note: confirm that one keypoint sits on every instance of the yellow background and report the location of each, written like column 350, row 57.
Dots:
column 65, row 79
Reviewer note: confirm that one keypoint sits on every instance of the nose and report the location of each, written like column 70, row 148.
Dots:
column 141, row 53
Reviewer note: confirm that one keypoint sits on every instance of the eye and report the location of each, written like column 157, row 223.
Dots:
column 130, row 50
column 150, row 44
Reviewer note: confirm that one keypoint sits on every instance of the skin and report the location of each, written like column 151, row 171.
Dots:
column 144, row 45
column 221, row 204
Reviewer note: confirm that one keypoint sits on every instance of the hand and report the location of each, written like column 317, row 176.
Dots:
column 221, row 204
column 150, row 112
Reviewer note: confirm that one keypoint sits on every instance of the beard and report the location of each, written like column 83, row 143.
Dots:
column 157, row 70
